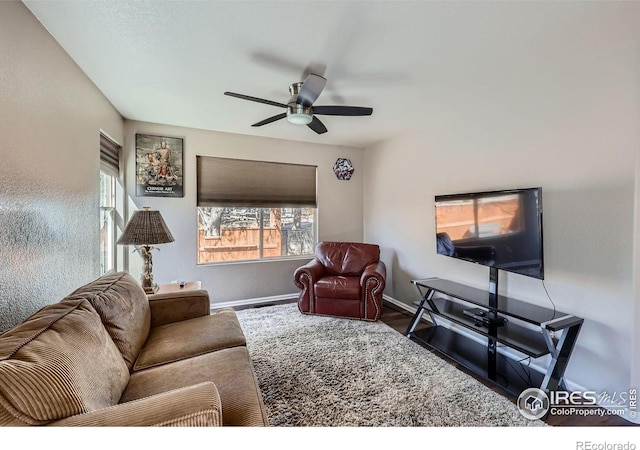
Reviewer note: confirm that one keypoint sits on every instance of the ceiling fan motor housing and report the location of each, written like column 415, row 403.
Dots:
column 297, row 113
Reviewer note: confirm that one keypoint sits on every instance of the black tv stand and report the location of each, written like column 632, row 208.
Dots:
column 529, row 329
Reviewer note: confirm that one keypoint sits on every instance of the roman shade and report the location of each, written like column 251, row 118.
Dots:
column 239, row 182
column 109, row 154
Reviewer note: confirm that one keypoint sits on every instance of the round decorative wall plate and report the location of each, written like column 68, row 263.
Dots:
column 343, row 169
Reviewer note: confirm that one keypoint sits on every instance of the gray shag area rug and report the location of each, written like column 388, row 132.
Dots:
column 331, row 372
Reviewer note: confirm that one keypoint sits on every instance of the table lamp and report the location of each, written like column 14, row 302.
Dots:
column 145, row 229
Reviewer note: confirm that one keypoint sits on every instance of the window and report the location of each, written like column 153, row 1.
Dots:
column 109, row 170
column 253, row 210
column 107, row 222
column 242, row 234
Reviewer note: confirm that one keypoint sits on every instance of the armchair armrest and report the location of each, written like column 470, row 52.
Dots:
column 313, row 269
column 197, row 405
column 373, row 281
column 178, row 306
column 374, row 270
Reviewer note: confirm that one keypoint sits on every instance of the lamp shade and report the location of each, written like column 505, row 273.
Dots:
column 146, row 227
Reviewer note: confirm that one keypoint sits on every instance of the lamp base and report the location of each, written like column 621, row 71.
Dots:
column 146, row 278
column 151, row 289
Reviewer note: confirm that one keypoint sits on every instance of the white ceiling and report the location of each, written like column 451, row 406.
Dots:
column 170, row 61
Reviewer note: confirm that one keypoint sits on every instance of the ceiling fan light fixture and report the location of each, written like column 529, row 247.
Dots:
column 300, row 109
column 299, row 119
column 299, row 115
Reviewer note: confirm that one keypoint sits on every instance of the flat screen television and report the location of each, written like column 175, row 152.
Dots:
column 499, row 229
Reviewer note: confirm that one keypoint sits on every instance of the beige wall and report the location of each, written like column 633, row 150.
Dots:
column 339, row 209
column 52, row 115
column 574, row 132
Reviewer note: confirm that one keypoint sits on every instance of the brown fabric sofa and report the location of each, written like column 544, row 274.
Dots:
column 346, row 279
column 109, row 355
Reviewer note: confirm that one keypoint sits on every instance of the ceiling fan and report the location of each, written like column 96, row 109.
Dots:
column 300, row 109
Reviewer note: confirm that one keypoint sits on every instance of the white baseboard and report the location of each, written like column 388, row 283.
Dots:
column 398, row 303
column 260, row 301
column 288, row 297
column 402, row 305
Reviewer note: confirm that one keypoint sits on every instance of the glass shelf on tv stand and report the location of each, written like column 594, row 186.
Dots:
column 529, row 329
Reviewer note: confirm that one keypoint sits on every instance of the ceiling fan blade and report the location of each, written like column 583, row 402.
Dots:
column 255, row 99
column 317, row 126
column 269, row 120
column 311, row 88
column 342, row 110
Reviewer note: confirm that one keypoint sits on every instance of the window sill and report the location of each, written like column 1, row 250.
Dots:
column 305, row 258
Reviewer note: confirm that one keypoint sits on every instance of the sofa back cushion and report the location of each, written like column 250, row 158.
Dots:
column 346, row 258
column 124, row 309
column 58, row 363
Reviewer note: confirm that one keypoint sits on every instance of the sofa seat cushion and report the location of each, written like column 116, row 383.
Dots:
column 124, row 309
column 229, row 369
column 59, row 362
column 180, row 340
column 338, row 287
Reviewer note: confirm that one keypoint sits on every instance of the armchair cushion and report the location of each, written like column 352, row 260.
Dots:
column 338, row 287
column 345, row 258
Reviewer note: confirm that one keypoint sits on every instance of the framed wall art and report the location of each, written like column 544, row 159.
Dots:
column 159, row 162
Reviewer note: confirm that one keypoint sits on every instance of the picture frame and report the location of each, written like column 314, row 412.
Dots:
column 159, row 166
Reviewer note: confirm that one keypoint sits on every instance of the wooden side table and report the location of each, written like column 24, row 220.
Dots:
column 175, row 287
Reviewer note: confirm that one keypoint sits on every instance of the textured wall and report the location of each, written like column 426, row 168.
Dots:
column 52, row 115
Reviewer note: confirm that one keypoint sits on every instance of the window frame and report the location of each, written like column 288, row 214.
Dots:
column 109, row 166
column 108, row 211
column 261, row 258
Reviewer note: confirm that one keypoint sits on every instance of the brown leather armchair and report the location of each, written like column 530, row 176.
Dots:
column 345, row 279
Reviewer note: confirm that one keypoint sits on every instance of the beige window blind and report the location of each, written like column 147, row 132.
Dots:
column 109, row 153
column 238, row 182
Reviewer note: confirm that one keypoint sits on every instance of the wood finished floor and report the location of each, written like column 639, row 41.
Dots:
column 399, row 319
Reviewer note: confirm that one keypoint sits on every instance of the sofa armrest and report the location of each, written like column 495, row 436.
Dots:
column 313, row 270
column 178, row 306
column 196, row 405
